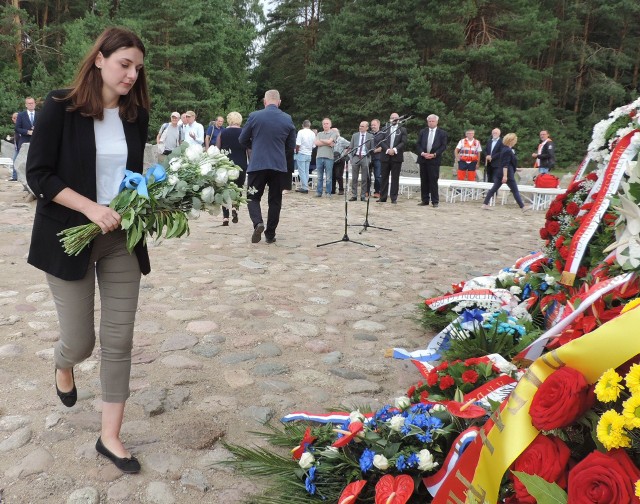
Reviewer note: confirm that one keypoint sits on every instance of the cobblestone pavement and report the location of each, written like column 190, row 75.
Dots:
column 230, row 335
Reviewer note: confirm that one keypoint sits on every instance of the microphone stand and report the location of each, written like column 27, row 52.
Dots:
column 345, row 237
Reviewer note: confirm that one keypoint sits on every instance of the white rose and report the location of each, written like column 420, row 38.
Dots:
column 306, row 461
column 381, row 462
column 514, row 289
column 213, row 150
column 175, row 164
column 221, row 176
column 503, row 276
column 549, row 279
column 173, row 179
column 233, row 173
column 193, row 152
column 438, row 407
column 205, row 168
column 207, row 194
column 356, row 416
column 396, row 423
column 402, row 402
column 426, row 462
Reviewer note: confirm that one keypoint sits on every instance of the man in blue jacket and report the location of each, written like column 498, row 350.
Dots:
column 269, row 133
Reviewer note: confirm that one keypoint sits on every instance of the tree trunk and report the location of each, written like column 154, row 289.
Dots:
column 18, row 46
column 583, row 58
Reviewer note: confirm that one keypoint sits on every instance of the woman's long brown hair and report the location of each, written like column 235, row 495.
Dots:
column 86, row 89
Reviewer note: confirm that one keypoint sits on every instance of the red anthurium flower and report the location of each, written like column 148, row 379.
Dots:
column 351, row 492
column 354, row 429
column 464, row 410
column 307, row 439
column 390, row 490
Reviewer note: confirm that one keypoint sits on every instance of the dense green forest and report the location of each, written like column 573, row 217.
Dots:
column 524, row 66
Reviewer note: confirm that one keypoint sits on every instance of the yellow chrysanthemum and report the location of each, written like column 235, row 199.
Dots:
column 638, row 488
column 608, row 387
column 631, row 412
column 633, row 379
column 610, row 431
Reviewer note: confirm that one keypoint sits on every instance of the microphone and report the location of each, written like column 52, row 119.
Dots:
column 402, row 118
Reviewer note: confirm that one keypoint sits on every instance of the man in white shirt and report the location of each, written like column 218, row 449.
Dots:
column 193, row 131
column 304, row 146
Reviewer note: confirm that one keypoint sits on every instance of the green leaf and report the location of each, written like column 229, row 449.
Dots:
column 543, row 491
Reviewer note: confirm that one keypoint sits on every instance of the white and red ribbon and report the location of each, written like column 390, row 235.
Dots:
column 622, row 153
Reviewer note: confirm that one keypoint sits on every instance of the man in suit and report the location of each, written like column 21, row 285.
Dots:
column 25, row 122
column 432, row 142
column 360, row 153
column 545, row 156
column 391, row 158
column 492, row 158
column 269, row 133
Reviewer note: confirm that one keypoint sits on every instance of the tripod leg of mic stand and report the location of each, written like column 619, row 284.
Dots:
column 345, row 237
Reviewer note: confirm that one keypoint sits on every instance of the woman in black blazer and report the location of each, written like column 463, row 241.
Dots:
column 507, row 175
column 87, row 135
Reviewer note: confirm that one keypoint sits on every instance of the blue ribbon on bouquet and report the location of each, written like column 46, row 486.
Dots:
column 139, row 182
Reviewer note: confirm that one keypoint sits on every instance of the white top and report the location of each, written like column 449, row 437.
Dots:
column 305, row 140
column 474, row 144
column 198, row 130
column 111, row 155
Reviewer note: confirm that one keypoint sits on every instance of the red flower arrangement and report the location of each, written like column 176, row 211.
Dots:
column 444, row 380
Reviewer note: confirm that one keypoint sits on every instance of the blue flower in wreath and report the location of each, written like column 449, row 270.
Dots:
column 366, row 460
column 472, row 315
column 413, row 460
column 401, row 463
column 526, row 292
column 427, row 437
column 308, row 482
column 432, row 423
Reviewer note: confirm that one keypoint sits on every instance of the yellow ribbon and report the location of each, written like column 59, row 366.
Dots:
column 609, row 346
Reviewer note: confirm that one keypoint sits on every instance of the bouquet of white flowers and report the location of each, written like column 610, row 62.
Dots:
column 163, row 200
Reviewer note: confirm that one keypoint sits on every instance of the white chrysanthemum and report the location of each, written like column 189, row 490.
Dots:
column 426, row 461
column 381, row 462
column 233, row 173
column 193, row 153
column 549, row 279
column 221, row 176
column 213, row 150
column 208, row 194
column 504, row 276
column 205, row 168
column 173, row 179
column 402, row 402
column 598, row 137
column 306, row 461
column 396, row 423
column 514, row 289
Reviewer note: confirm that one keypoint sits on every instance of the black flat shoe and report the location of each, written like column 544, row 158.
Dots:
column 67, row 398
column 126, row 465
column 234, row 216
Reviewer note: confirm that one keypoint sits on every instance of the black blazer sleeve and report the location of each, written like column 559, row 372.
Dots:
column 441, row 140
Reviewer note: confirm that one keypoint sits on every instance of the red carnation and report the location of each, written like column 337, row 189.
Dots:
column 411, row 391
column 609, row 219
column 441, row 367
column 582, row 272
column 446, row 382
column 424, row 395
column 559, row 265
column 470, row 376
column 560, row 241
column 572, row 208
column 432, row 378
column 544, row 234
column 553, row 227
column 592, row 176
